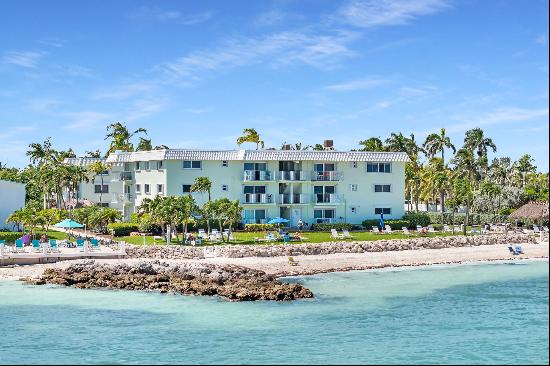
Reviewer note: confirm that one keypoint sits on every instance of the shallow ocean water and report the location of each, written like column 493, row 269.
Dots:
column 483, row 313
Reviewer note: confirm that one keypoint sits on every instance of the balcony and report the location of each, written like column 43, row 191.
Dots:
column 293, row 175
column 327, row 198
column 289, row 199
column 257, row 198
column 257, row 175
column 327, row 176
column 126, row 176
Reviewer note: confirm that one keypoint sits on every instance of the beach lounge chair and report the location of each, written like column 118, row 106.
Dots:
column 536, row 229
column 94, row 243
column 270, row 237
column 518, row 249
column 545, row 229
column 36, row 245
column 80, row 244
column 431, row 229
column 456, row 228
column 375, row 230
column 346, row 234
column 419, row 228
column 53, row 246
column 446, row 229
column 292, row 262
column 334, row 234
column 215, row 235
column 19, row 245
column 388, row 229
column 406, row 230
column 202, row 234
column 511, row 249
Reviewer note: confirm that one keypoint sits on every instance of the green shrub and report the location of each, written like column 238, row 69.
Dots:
column 458, row 218
column 328, row 227
column 394, row 224
column 122, row 228
column 10, row 237
column 259, row 227
column 417, row 218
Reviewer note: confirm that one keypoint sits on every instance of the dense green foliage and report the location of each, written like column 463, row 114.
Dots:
column 328, row 227
column 259, row 227
column 122, row 228
column 394, row 224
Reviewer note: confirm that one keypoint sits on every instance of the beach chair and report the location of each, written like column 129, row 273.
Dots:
column 94, row 244
column 215, row 235
column 375, row 230
column 511, row 249
column 292, row 262
column 270, row 237
column 518, row 249
column 19, row 245
column 545, row 229
column 456, row 228
column 80, row 244
column 346, row 234
column 2, row 246
column 334, row 234
column 419, row 228
column 446, row 229
column 431, row 229
column 388, row 229
column 536, row 229
column 202, row 234
column 406, row 230
column 53, row 246
column 36, row 245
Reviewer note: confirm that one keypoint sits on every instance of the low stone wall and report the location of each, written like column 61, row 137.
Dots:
column 240, row 251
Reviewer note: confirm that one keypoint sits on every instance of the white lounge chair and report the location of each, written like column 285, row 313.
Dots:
column 446, row 229
column 334, row 234
column 457, row 228
column 419, row 228
column 202, row 234
column 406, row 230
column 388, row 229
column 375, row 230
column 545, row 229
column 536, row 229
column 346, row 234
column 431, row 229
column 215, row 235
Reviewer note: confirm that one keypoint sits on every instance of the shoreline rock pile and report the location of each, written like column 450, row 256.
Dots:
column 276, row 250
column 233, row 283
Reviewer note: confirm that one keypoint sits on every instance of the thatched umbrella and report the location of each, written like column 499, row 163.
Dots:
column 535, row 211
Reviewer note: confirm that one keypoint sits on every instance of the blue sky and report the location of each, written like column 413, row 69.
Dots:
column 195, row 73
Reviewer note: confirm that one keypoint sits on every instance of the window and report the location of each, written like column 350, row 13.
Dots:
column 160, row 165
column 255, row 166
column 138, row 165
column 378, row 167
column 146, row 165
column 353, row 209
column 126, row 167
column 224, row 187
column 138, row 188
column 98, row 188
column 323, row 167
column 323, row 215
column 147, row 189
column 386, row 188
column 194, row 164
column 384, row 210
column 353, row 187
column 103, row 204
column 254, row 216
column 354, row 164
column 160, row 188
column 225, row 163
column 186, row 188
column 254, row 189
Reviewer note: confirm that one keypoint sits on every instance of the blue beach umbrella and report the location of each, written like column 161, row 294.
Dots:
column 69, row 224
column 277, row 220
column 382, row 220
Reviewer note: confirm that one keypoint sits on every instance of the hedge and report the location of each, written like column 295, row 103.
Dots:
column 417, row 218
column 122, row 228
column 259, row 227
column 458, row 218
column 10, row 237
column 328, row 227
column 394, row 224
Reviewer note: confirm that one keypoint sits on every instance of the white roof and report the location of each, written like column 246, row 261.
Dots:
column 257, row 155
column 83, row 161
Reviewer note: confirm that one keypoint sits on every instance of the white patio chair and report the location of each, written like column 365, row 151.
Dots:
column 406, row 230
column 346, row 234
column 375, row 230
column 388, row 229
column 334, row 234
column 431, row 229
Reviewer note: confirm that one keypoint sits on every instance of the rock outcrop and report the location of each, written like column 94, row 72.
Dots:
column 234, row 283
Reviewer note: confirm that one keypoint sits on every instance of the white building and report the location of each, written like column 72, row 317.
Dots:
column 12, row 198
column 316, row 186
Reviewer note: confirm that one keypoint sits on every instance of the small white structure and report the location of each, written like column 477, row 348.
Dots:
column 12, row 198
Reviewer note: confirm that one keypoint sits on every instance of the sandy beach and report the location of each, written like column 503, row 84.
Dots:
column 312, row 264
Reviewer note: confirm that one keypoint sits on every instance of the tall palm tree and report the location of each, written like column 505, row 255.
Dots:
column 467, row 168
column 372, row 144
column 397, row 142
column 96, row 169
column 203, row 184
column 476, row 141
column 437, row 143
column 120, row 137
column 523, row 166
column 144, row 145
column 250, row 135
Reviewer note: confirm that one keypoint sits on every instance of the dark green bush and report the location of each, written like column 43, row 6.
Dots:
column 394, row 224
column 328, row 227
column 10, row 237
column 259, row 227
column 122, row 228
column 417, row 218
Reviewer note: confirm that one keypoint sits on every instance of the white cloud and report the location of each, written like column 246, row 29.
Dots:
column 27, row 59
column 197, row 18
column 156, row 13
column 542, row 39
column 269, row 18
column 497, row 117
column 374, row 13
column 123, row 91
column 87, row 119
column 358, row 84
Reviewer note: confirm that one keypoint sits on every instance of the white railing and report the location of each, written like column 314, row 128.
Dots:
column 257, row 175
column 328, row 198
column 294, row 175
column 324, row 220
column 327, row 176
column 126, row 176
column 293, row 198
column 257, row 198
column 255, row 221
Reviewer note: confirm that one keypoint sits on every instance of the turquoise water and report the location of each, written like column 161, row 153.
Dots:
column 490, row 313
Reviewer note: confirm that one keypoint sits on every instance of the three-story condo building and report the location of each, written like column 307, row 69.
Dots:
column 315, row 186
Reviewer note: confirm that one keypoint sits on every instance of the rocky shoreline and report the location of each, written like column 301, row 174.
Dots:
column 234, row 283
column 277, row 250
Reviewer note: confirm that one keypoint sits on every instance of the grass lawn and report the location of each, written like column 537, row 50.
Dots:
column 312, row 237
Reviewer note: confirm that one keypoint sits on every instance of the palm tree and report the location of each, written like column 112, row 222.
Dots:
column 467, row 168
column 144, row 145
column 437, row 143
column 250, row 135
column 120, row 137
column 372, row 144
column 397, row 142
column 96, row 169
column 476, row 141
column 203, row 184
column 523, row 166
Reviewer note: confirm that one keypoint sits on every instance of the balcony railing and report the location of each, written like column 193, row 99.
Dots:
column 255, row 221
column 257, row 198
column 324, row 220
column 126, row 176
column 327, row 176
column 294, row 175
column 295, row 198
column 257, row 175
column 327, row 198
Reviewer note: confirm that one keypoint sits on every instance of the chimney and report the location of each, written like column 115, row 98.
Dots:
column 286, row 147
column 328, row 145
